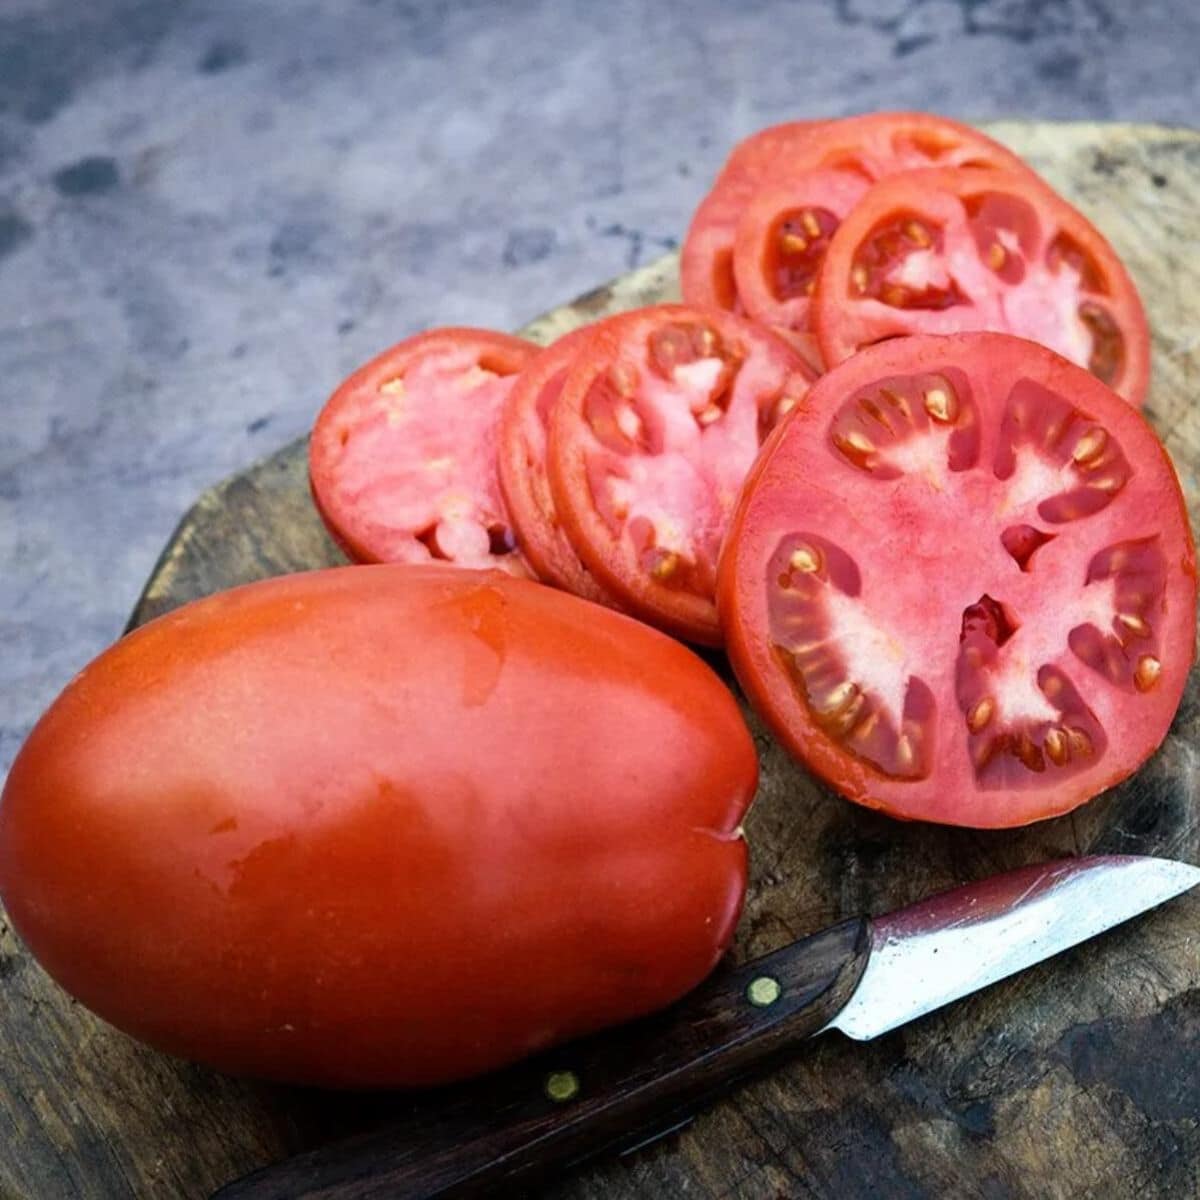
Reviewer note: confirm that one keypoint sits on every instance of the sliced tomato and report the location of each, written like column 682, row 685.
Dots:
column 960, row 584
column 871, row 146
column 706, row 259
column 403, row 456
column 782, row 239
column 954, row 250
column 661, row 416
column 523, row 479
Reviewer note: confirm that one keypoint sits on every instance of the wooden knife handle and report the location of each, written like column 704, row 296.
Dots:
column 604, row 1092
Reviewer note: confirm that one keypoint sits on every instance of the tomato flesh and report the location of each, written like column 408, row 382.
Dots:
column 782, row 239
column 960, row 584
column 402, row 458
column 867, row 147
column 659, row 420
column 955, row 250
column 380, row 826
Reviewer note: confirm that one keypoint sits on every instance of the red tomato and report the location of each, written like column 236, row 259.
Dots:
column 960, row 584
column 871, row 146
column 380, row 826
column 658, row 422
column 523, row 479
column 403, row 456
column 782, row 239
column 953, row 250
column 706, row 260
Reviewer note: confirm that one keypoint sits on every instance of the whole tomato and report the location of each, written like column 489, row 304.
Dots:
column 380, row 826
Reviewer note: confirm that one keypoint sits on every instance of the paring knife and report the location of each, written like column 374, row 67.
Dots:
column 626, row 1086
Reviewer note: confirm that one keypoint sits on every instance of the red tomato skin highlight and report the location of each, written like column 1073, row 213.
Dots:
column 785, row 462
column 380, row 826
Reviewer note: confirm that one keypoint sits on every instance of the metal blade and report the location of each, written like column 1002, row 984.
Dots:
column 960, row 941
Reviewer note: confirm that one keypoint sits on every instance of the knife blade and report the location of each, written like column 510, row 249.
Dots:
column 619, row 1088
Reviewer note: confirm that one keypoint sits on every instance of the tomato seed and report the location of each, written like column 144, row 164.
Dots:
column 1055, row 745
column 1090, row 446
column 940, row 405
column 1146, row 673
column 980, row 714
column 806, row 559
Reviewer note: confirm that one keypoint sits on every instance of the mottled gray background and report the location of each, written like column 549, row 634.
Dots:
column 212, row 210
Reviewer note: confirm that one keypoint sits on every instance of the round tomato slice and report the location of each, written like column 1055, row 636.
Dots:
column 706, row 260
column 871, row 146
column 782, row 239
column 954, row 250
column 960, row 584
column 402, row 460
column 661, row 416
column 523, row 479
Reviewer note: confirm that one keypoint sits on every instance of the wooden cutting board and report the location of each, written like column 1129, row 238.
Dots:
column 1079, row 1078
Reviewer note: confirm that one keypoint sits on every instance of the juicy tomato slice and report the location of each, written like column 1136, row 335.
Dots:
column 524, row 482
column 960, row 584
column 402, row 460
column 706, row 260
column 954, row 250
column 871, row 146
column 782, row 240
column 661, row 416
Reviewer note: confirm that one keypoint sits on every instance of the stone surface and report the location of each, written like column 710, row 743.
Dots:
column 211, row 210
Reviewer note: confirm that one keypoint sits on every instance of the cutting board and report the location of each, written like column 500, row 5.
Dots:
column 1078, row 1078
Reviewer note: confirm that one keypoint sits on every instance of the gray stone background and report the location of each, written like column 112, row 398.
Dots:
column 211, row 210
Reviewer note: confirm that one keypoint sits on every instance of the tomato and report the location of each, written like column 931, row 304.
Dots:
column 658, row 422
column 523, row 479
column 706, row 260
column 782, row 239
column 960, row 584
column 870, row 146
column 953, row 250
column 403, row 456
column 380, row 826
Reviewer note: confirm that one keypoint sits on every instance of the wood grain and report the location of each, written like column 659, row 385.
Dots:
column 1079, row 1078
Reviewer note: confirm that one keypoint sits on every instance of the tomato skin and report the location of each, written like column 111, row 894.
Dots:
column 365, row 514
column 522, row 468
column 844, row 322
column 796, row 484
column 380, row 826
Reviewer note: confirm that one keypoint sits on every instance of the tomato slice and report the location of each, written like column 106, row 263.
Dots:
column 960, row 584
column 871, row 146
column 706, row 260
column 661, row 416
column 402, row 460
column 954, row 250
column 782, row 239
column 524, row 482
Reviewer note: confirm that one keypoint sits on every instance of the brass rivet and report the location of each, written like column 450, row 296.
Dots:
column 763, row 991
column 562, row 1086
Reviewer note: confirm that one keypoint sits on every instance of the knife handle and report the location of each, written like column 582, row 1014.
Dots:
column 607, row 1091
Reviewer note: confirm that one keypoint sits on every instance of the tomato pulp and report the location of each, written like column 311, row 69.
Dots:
column 870, row 147
column 960, row 584
column 660, row 417
column 380, row 826
column 403, row 456
column 955, row 250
